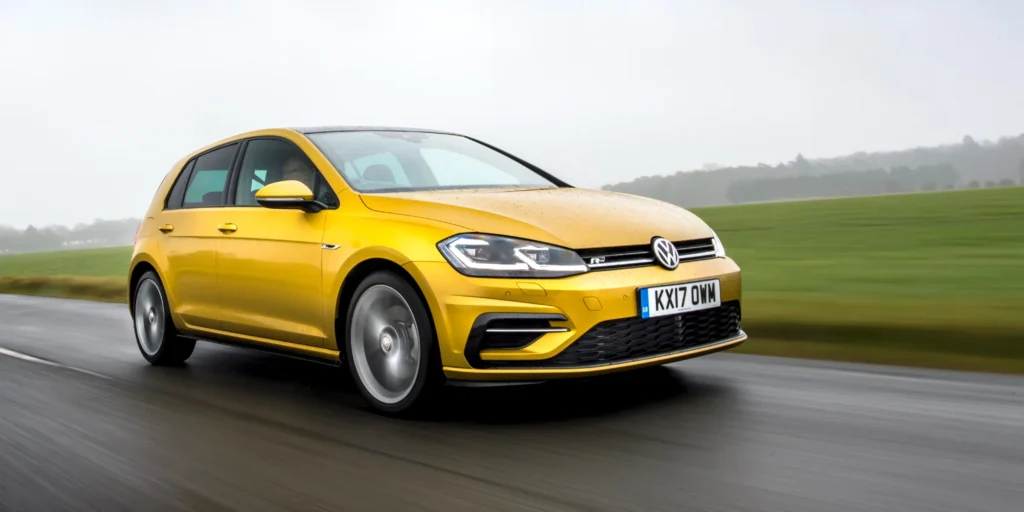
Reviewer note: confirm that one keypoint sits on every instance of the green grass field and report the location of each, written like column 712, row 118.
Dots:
column 106, row 262
column 923, row 279
column 891, row 279
column 96, row 274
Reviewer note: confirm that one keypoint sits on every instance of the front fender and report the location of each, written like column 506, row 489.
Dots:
column 355, row 237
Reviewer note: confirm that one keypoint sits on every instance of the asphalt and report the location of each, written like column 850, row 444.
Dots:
column 86, row 424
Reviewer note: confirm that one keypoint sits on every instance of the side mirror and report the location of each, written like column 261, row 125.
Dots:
column 289, row 195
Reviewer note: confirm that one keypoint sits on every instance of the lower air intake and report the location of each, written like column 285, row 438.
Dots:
column 627, row 339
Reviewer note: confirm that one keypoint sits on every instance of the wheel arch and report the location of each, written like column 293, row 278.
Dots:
column 140, row 265
column 356, row 276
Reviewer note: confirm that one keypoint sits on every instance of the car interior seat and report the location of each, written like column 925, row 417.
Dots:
column 379, row 172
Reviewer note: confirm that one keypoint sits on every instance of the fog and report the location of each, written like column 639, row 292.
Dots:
column 98, row 99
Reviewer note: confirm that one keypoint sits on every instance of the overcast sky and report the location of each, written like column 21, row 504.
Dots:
column 98, row 99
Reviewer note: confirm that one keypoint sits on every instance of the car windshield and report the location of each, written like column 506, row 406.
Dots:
column 392, row 161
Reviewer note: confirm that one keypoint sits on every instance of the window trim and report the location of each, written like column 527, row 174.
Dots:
column 227, row 183
column 236, row 167
column 546, row 175
column 236, row 173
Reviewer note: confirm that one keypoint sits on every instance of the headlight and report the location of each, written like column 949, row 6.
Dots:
column 719, row 248
column 497, row 256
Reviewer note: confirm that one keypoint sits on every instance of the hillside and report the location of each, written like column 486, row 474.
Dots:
column 967, row 165
column 922, row 279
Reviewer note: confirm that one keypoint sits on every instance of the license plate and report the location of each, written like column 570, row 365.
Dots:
column 678, row 298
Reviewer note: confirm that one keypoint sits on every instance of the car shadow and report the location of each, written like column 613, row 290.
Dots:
column 277, row 377
column 565, row 400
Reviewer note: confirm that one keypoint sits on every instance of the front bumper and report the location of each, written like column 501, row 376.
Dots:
column 457, row 302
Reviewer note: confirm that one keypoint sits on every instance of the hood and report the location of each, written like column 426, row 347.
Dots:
column 569, row 217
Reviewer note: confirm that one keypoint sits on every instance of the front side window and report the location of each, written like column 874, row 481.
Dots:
column 209, row 180
column 389, row 161
column 268, row 161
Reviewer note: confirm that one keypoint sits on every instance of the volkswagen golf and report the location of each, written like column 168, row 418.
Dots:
column 419, row 258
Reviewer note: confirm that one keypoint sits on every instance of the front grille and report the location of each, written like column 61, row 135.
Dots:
column 627, row 339
column 608, row 258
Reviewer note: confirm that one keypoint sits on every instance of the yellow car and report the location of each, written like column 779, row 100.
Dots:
column 420, row 258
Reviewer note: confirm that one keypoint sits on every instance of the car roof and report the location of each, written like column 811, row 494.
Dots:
column 322, row 129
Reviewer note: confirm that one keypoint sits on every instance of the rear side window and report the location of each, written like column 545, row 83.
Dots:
column 178, row 190
column 209, row 179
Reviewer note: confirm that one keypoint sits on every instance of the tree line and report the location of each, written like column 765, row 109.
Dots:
column 845, row 184
column 101, row 233
column 967, row 164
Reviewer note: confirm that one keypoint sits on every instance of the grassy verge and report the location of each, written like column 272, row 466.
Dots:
column 934, row 333
column 882, row 355
column 931, row 280
column 104, row 289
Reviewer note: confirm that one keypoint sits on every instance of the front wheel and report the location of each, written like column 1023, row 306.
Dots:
column 155, row 334
column 390, row 344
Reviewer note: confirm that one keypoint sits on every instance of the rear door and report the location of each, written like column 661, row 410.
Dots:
column 269, row 266
column 189, row 235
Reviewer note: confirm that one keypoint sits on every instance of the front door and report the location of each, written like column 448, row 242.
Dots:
column 189, row 236
column 269, row 260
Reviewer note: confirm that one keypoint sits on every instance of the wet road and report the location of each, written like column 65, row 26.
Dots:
column 238, row 430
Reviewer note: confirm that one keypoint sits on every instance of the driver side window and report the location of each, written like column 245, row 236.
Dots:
column 268, row 161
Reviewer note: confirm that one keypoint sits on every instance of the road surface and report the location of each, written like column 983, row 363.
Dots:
column 85, row 424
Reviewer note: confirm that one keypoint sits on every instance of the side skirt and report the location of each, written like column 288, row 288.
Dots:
column 262, row 347
column 491, row 384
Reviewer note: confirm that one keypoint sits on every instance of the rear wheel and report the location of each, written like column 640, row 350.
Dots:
column 155, row 334
column 390, row 345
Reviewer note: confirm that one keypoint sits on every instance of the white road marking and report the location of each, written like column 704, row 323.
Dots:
column 34, row 359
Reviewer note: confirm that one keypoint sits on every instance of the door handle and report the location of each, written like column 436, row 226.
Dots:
column 227, row 228
column 166, row 228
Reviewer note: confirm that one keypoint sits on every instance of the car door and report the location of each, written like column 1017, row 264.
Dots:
column 269, row 263
column 189, row 236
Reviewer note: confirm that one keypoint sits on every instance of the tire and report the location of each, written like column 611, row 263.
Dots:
column 155, row 334
column 395, row 365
